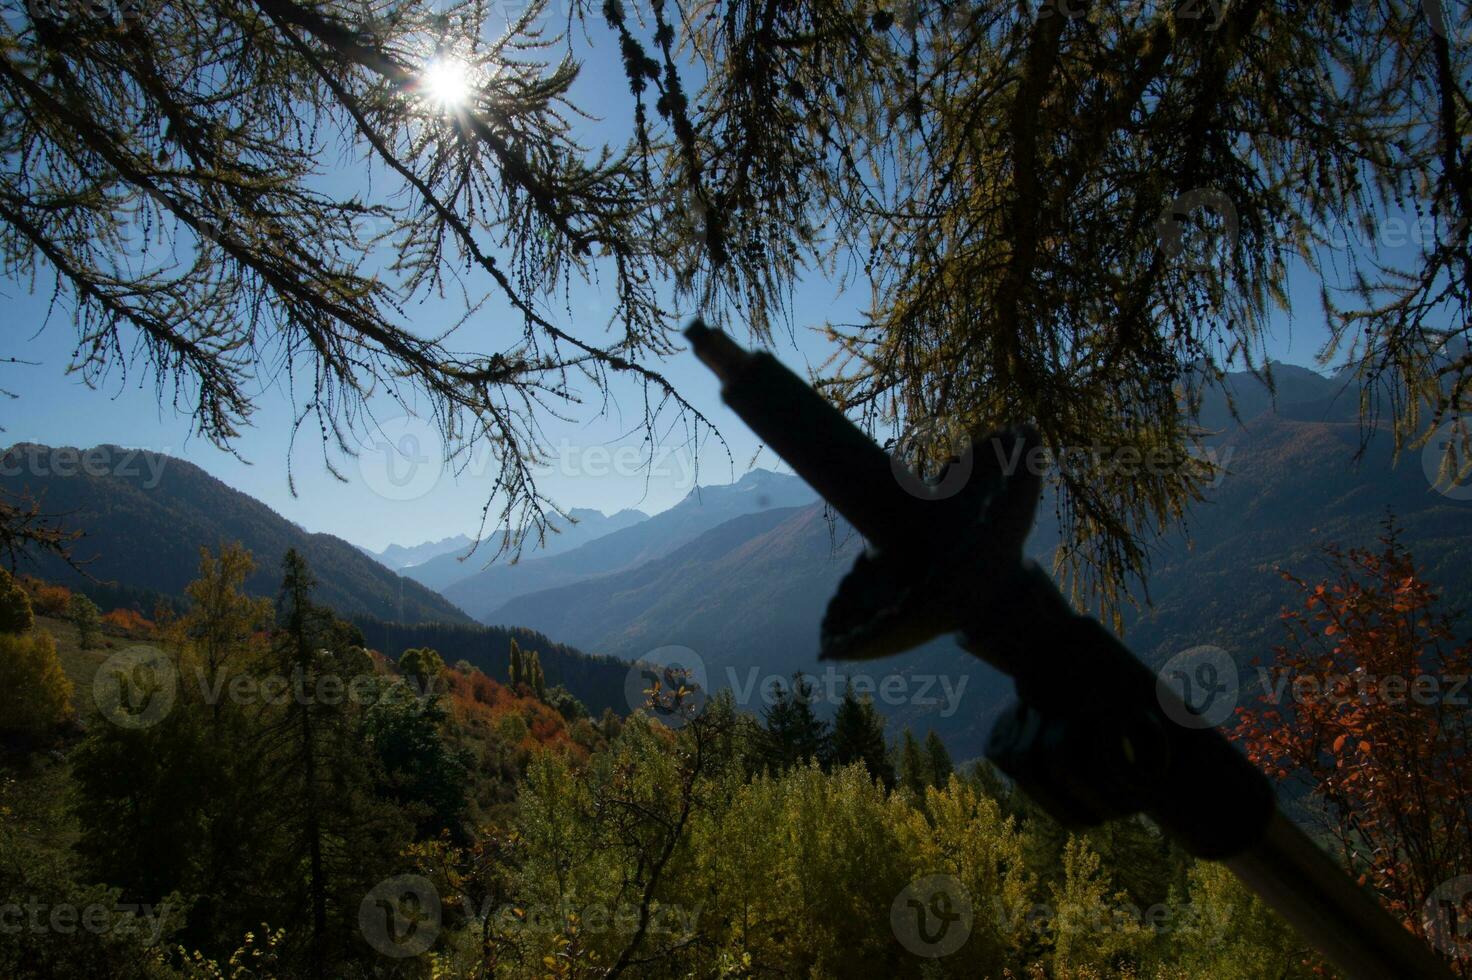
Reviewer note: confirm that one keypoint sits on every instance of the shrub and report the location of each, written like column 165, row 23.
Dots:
column 51, row 600
column 88, row 620
column 15, row 606
column 35, row 693
column 128, row 621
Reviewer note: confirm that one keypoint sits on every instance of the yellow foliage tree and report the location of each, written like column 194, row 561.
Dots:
column 15, row 606
column 35, row 693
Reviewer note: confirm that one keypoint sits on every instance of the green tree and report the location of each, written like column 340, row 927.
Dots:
column 858, row 736
column 143, row 800
column 335, row 839
column 913, row 774
column 937, row 760
column 300, row 624
column 962, row 832
column 792, row 734
column 15, row 606
column 179, row 803
column 421, row 666
column 222, row 621
column 568, row 706
column 537, row 680
column 418, row 770
column 87, row 618
column 517, row 672
column 35, row 693
column 1218, row 928
column 1091, row 927
column 133, row 946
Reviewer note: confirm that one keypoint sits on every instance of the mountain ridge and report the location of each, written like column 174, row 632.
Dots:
column 701, row 509
column 144, row 525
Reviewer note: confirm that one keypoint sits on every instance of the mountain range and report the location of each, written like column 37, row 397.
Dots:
column 747, row 595
column 485, row 592
column 448, row 565
column 398, row 556
column 741, row 574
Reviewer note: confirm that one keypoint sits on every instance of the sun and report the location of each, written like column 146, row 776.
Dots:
column 445, row 82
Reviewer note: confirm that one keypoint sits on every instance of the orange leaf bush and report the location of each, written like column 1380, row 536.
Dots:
column 1365, row 707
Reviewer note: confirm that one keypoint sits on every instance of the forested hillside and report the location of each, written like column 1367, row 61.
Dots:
column 406, row 817
column 144, row 517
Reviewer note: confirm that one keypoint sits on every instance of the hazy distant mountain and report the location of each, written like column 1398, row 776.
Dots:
column 441, row 571
column 147, row 515
column 487, row 590
column 397, row 556
column 749, row 593
column 748, row 597
column 1291, row 385
column 1294, row 486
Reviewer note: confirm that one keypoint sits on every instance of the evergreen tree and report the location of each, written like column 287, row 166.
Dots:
column 419, row 772
column 792, row 733
column 88, row 620
column 912, row 765
column 517, row 671
column 938, row 760
column 298, row 628
column 536, row 679
column 336, row 837
column 858, row 736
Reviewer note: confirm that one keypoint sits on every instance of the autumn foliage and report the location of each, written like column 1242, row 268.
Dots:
column 35, row 692
column 49, row 600
column 129, row 621
column 1365, row 705
column 482, row 703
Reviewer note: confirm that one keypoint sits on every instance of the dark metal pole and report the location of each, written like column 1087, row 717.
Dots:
column 1091, row 737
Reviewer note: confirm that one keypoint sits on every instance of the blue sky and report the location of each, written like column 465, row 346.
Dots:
column 595, row 455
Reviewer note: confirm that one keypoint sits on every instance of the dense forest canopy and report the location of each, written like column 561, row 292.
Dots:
column 1064, row 212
